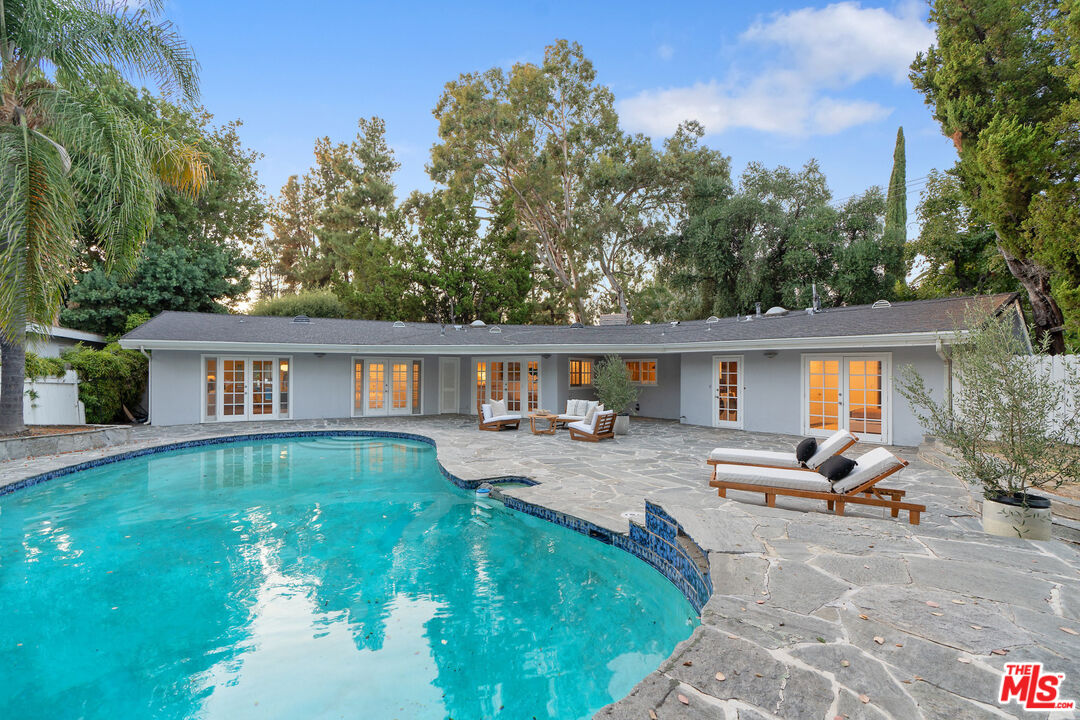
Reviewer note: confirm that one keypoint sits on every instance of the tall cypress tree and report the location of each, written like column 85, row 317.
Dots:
column 896, row 199
column 895, row 234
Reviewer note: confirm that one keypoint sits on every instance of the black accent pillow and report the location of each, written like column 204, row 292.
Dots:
column 805, row 450
column 836, row 468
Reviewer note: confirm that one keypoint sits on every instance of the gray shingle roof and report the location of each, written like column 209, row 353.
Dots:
column 901, row 318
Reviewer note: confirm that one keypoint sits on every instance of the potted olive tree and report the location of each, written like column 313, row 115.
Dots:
column 1010, row 424
column 616, row 390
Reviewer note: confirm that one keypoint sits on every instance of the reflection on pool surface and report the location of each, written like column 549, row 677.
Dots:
column 307, row 578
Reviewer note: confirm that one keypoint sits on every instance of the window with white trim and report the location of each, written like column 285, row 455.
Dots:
column 642, row 372
column 580, row 372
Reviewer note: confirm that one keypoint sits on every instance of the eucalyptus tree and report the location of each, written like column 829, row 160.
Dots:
column 65, row 145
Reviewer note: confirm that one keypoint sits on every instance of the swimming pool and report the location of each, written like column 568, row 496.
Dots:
column 307, row 578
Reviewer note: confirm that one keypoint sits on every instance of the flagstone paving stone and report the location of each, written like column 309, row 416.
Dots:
column 915, row 611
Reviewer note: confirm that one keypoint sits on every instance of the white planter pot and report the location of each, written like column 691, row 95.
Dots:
column 1014, row 520
column 622, row 424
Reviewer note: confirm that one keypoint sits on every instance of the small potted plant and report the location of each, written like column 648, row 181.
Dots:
column 616, row 390
column 1010, row 424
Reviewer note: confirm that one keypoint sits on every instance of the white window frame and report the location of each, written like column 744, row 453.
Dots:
column 592, row 371
column 388, row 360
column 655, row 363
column 275, row 361
column 524, row 360
column 886, row 393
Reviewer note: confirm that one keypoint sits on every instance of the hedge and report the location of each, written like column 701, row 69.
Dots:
column 108, row 379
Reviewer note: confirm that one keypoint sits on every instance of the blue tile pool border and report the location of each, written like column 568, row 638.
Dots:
column 654, row 543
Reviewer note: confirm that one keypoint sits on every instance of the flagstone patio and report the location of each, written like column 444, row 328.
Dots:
column 812, row 615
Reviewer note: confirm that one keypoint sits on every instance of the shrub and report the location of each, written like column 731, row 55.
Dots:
column 613, row 384
column 38, row 367
column 315, row 303
column 108, row 379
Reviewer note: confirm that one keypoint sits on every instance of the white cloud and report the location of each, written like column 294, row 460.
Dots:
column 844, row 43
column 814, row 52
column 665, row 51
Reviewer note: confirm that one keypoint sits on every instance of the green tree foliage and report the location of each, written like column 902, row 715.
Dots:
column 294, row 248
column 313, row 303
column 195, row 258
column 70, row 155
column 956, row 250
column 775, row 236
column 109, row 379
column 997, row 80
column 896, row 200
column 457, row 273
column 588, row 198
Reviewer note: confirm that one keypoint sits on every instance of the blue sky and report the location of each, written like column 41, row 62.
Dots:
column 777, row 83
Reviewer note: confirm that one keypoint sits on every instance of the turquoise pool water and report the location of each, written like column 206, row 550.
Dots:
column 311, row 578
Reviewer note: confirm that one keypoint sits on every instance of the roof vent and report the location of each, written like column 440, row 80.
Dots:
column 399, row 324
column 495, row 329
column 881, row 304
column 301, row 319
column 776, row 311
column 477, row 323
column 576, row 325
column 712, row 319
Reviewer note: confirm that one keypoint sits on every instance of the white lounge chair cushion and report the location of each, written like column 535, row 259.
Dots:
column 486, row 410
column 870, row 465
column 829, row 447
column 580, row 425
column 773, row 477
column 741, row 456
column 501, row 418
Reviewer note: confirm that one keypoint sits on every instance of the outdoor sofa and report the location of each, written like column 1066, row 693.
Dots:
column 494, row 417
column 601, row 426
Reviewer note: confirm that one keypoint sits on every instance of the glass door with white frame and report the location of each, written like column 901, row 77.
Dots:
column 847, row 392
column 517, row 382
column 245, row 388
column 387, row 386
column 728, row 391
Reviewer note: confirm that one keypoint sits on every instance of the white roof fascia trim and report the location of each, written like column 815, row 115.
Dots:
column 810, row 343
column 63, row 332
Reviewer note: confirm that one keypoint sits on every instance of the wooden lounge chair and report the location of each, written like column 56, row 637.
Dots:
column 494, row 423
column 859, row 487
column 835, row 444
column 603, row 426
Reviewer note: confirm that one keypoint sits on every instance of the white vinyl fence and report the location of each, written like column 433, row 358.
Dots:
column 53, row 401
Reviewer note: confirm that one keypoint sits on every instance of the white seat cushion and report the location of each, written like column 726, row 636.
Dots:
column 773, row 477
column 829, row 447
column 572, row 418
column 486, row 410
column 500, row 418
column 580, row 425
column 754, row 457
column 870, row 465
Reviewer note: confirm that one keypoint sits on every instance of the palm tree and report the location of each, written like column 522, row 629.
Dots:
column 70, row 159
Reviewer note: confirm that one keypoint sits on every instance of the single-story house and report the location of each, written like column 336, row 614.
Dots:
column 798, row 372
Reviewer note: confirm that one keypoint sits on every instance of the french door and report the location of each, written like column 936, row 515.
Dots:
column 848, row 392
column 728, row 391
column 516, row 381
column 386, row 386
column 245, row 388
